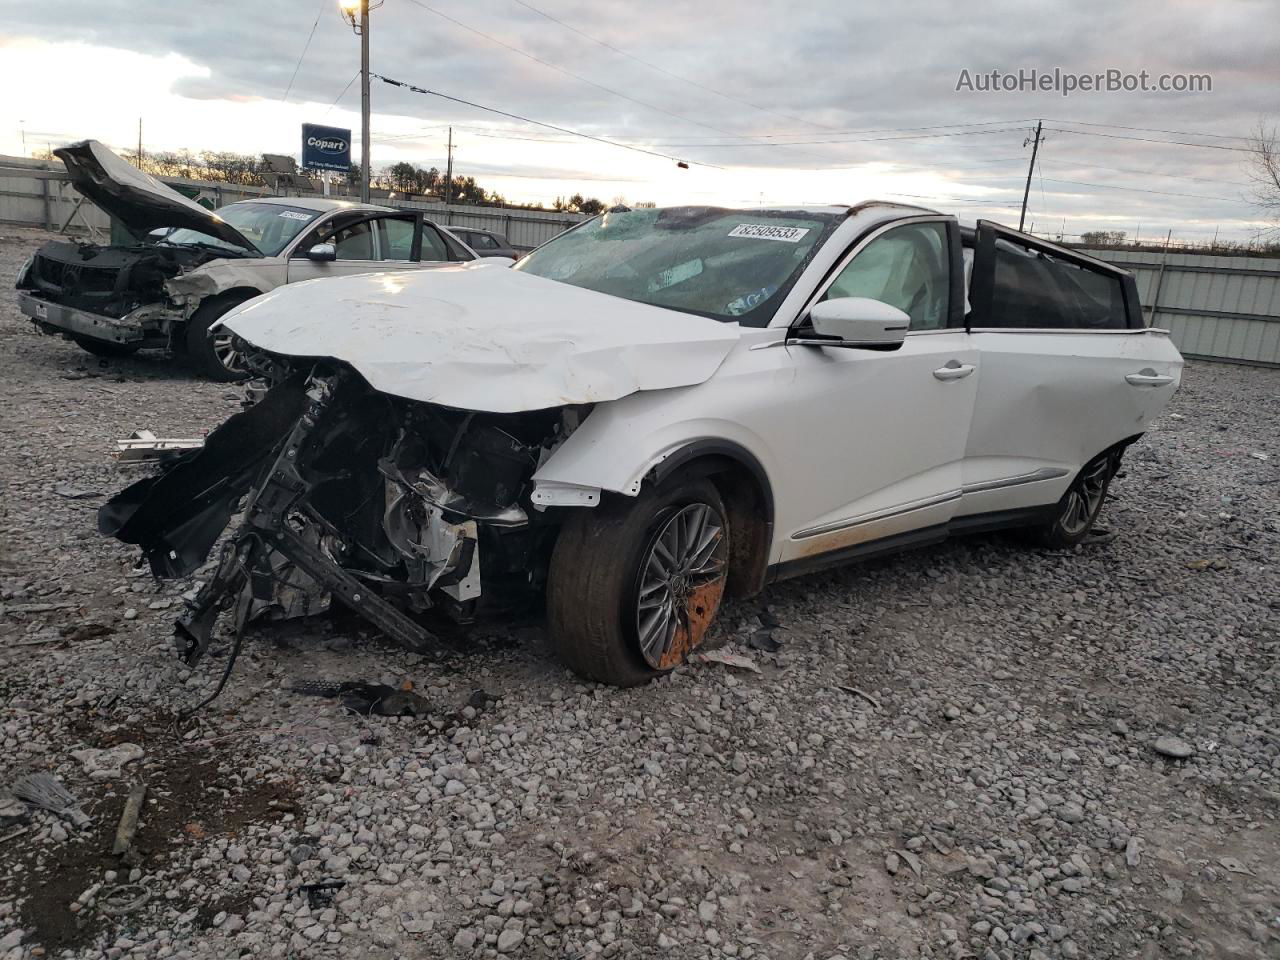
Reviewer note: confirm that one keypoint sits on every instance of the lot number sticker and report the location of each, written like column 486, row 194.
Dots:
column 294, row 215
column 764, row 231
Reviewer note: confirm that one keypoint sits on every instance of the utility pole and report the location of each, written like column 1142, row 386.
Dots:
column 448, row 170
column 364, row 101
column 139, row 143
column 1035, row 147
column 349, row 10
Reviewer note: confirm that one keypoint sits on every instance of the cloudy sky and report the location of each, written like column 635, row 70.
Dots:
column 768, row 101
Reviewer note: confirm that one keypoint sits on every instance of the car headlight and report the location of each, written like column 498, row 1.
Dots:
column 23, row 271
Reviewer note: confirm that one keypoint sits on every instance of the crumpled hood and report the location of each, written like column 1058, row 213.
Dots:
column 138, row 200
column 484, row 337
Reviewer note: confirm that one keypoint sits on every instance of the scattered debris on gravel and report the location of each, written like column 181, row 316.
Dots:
column 977, row 750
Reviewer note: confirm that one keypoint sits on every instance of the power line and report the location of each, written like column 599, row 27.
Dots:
column 539, row 123
column 1163, row 193
column 570, row 73
column 798, row 143
column 1111, row 186
column 343, row 93
column 324, row 4
column 666, row 72
column 764, row 136
column 1120, row 126
column 1151, row 173
column 1175, row 143
column 935, row 126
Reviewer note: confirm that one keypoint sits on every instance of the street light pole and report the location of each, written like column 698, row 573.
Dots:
column 360, row 24
column 364, row 101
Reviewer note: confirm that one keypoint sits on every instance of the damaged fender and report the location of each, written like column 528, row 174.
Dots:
column 221, row 276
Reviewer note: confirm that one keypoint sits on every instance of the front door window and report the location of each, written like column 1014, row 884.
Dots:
column 907, row 267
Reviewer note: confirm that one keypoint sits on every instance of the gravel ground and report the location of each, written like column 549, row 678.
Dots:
column 953, row 753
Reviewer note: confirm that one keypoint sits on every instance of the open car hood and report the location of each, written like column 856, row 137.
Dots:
column 485, row 337
column 138, row 200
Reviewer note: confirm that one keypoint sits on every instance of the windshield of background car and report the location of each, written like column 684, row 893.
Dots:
column 733, row 265
column 268, row 226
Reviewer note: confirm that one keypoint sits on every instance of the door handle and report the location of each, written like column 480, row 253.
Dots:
column 1145, row 379
column 954, row 371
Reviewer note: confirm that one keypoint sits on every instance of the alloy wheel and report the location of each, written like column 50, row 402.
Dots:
column 224, row 348
column 1084, row 499
column 681, row 583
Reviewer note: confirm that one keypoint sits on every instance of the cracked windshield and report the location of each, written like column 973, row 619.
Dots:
column 728, row 265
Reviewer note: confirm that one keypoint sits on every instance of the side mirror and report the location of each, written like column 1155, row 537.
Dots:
column 323, row 252
column 859, row 322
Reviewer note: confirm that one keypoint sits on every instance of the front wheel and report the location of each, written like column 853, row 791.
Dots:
column 216, row 354
column 1080, row 505
column 635, row 585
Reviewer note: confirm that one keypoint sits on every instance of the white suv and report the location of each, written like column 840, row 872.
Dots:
column 655, row 410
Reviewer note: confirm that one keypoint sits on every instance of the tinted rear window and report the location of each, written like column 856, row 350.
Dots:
column 1039, row 291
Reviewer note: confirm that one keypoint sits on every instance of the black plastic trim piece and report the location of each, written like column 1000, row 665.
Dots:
column 955, row 293
column 721, row 448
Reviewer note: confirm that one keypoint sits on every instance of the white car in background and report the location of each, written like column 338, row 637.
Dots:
column 653, row 411
column 190, row 265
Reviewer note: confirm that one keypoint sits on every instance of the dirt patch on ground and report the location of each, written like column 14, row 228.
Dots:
column 190, row 799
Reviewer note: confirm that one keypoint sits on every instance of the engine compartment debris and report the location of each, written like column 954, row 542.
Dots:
column 388, row 506
column 143, row 446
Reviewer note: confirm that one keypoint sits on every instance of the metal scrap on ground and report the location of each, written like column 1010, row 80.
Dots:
column 47, row 792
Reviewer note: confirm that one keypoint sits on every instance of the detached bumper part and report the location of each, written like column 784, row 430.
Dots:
column 143, row 446
column 56, row 317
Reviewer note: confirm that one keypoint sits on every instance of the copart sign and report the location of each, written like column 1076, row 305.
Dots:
column 325, row 148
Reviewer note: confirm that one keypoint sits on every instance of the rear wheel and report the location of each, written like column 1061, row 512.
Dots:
column 634, row 586
column 216, row 355
column 1080, row 505
column 105, row 348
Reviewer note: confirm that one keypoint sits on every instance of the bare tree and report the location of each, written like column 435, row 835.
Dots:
column 1264, row 171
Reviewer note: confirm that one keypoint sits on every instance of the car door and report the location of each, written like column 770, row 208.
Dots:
column 1068, row 368
column 874, row 439
column 377, row 243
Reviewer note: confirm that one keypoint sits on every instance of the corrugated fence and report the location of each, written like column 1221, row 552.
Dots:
column 35, row 193
column 1216, row 308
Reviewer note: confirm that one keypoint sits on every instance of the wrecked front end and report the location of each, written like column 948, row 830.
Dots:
column 386, row 505
column 112, row 294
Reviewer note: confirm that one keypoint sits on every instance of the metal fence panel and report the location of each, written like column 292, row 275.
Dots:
column 1223, row 308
